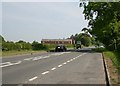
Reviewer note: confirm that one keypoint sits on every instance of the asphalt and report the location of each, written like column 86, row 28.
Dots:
column 54, row 68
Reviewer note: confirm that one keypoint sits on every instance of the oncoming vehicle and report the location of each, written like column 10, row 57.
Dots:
column 60, row 48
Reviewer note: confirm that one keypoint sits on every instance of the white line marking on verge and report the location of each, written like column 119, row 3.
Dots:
column 33, row 78
column 45, row 72
column 53, row 68
column 28, row 59
column 46, row 56
column 4, row 63
column 10, row 64
column 60, row 65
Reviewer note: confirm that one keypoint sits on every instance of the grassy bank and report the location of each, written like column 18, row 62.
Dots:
column 115, row 58
column 15, row 52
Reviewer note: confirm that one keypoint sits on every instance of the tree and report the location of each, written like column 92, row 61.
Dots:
column 38, row 46
column 83, row 37
column 2, row 39
column 104, row 19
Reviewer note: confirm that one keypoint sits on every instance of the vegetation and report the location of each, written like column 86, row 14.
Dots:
column 84, row 38
column 15, row 52
column 104, row 26
column 114, row 56
column 104, row 22
column 21, row 45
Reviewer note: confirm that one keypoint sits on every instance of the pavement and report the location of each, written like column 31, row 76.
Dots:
column 72, row 67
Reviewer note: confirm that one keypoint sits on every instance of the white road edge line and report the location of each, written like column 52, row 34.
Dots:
column 33, row 78
column 53, row 68
column 45, row 72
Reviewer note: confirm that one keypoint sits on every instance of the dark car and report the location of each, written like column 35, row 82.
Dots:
column 60, row 48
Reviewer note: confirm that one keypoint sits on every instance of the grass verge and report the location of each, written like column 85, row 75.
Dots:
column 14, row 52
column 113, row 63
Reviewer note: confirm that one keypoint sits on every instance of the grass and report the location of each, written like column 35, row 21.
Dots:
column 99, row 50
column 115, row 57
column 15, row 52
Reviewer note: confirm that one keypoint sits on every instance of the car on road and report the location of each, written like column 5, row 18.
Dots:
column 60, row 48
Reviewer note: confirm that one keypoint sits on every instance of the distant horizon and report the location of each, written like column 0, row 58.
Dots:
column 32, row 21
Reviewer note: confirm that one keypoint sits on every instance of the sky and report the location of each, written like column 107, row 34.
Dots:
column 31, row 21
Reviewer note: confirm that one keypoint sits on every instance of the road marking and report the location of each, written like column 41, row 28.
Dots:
column 68, row 61
column 10, row 64
column 46, row 56
column 71, row 59
column 4, row 63
column 28, row 59
column 37, row 58
column 74, row 58
column 33, row 78
column 53, row 68
column 65, row 63
column 45, row 72
column 60, row 65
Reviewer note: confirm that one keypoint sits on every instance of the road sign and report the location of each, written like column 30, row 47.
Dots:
column 78, row 42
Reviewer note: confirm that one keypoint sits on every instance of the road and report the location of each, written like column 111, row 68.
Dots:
column 54, row 68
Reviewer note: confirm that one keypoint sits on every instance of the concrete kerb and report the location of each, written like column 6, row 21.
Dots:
column 107, row 74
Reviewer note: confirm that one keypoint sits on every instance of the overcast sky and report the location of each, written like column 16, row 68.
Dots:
column 31, row 21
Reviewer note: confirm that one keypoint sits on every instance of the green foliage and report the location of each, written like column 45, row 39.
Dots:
column 104, row 19
column 21, row 45
column 114, row 56
column 2, row 39
column 38, row 46
column 85, row 38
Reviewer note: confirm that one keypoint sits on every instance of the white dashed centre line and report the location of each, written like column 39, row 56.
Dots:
column 53, row 68
column 65, row 63
column 74, row 58
column 68, row 61
column 33, row 78
column 60, row 65
column 45, row 72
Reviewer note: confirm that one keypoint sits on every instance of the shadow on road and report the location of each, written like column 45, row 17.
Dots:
column 77, row 50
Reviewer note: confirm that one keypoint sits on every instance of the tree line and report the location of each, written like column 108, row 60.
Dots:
column 104, row 22
column 85, row 38
column 21, row 45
